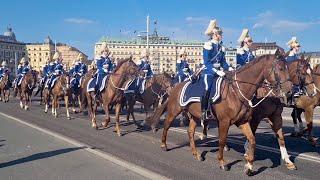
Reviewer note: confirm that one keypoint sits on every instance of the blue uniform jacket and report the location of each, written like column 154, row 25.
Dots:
column 214, row 57
column 144, row 66
column 182, row 66
column 244, row 56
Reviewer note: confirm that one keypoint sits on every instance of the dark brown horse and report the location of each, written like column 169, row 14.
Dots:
column 26, row 88
column 5, row 85
column 156, row 90
column 271, row 107
column 234, row 106
column 60, row 89
column 113, row 92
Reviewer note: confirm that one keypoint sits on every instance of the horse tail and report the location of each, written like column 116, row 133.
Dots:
column 154, row 119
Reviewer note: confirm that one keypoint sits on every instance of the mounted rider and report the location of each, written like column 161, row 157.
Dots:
column 45, row 72
column 4, row 69
column 183, row 70
column 77, row 71
column 297, row 89
column 244, row 54
column 104, row 67
column 55, row 69
column 214, row 61
column 146, row 71
column 23, row 68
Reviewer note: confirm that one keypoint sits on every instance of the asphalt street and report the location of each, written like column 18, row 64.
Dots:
column 142, row 147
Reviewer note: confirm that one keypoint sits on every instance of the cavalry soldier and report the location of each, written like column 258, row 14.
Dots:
column 244, row 54
column 103, row 65
column 294, row 49
column 145, row 67
column 78, row 70
column 113, row 62
column 23, row 68
column 55, row 68
column 3, row 69
column 213, row 60
column 183, row 70
column 45, row 71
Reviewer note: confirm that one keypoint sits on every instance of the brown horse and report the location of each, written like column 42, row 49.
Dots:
column 5, row 85
column 83, row 87
column 26, row 88
column 234, row 106
column 272, row 107
column 113, row 92
column 60, row 89
column 307, row 104
column 156, row 90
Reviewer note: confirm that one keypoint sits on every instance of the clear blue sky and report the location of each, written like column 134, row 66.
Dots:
column 82, row 23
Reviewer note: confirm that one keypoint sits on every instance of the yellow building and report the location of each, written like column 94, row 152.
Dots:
column 38, row 53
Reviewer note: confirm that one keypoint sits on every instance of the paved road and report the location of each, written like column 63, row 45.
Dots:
column 142, row 147
column 26, row 153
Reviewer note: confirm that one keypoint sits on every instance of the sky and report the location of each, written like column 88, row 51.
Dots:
column 81, row 23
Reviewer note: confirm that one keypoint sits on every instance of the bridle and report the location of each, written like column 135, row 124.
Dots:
column 277, row 85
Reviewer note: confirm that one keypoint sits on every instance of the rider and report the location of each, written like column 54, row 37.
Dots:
column 145, row 67
column 103, row 65
column 22, row 69
column 183, row 69
column 244, row 54
column 113, row 62
column 213, row 61
column 45, row 71
column 55, row 68
column 78, row 70
column 3, row 69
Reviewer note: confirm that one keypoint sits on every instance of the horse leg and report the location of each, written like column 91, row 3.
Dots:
column 223, row 132
column 21, row 101
column 309, row 119
column 167, row 122
column 246, row 130
column 191, row 131
column 204, row 134
column 27, row 101
column 298, row 115
column 294, row 118
column 91, row 111
column 276, row 125
column 66, row 102
column 80, row 104
column 118, row 108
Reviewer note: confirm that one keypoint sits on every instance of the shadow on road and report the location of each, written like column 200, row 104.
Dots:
column 38, row 156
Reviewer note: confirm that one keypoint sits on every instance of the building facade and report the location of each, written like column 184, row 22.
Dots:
column 259, row 49
column 11, row 50
column 164, row 52
column 38, row 53
column 314, row 58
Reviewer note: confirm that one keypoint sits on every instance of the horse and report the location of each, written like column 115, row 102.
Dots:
column 5, row 85
column 76, row 93
column 271, row 107
column 234, row 106
column 113, row 92
column 26, row 88
column 307, row 104
column 156, row 90
column 60, row 89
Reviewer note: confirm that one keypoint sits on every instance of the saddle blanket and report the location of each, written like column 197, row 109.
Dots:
column 192, row 92
column 53, row 82
column 92, row 84
column 135, row 85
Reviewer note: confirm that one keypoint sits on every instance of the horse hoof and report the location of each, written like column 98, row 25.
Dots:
column 226, row 148
column 224, row 167
column 199, row 157
column 203, row 137
column 248, row 172
column 69, row 118
column 291, row 166
column 164, row 147
column 154, row 130
column 45, row 111
column 119, row 134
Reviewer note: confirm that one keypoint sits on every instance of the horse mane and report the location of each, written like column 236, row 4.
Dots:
column 119, row 64
column 251, row 63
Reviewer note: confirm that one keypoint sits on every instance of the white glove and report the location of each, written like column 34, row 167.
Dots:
column 145, row 70
column 185, row 69
column 231, row 69
column 221, row 73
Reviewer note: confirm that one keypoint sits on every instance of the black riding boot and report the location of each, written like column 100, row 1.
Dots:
column 204, row 106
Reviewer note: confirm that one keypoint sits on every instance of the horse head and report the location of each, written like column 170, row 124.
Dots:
column 301, row 74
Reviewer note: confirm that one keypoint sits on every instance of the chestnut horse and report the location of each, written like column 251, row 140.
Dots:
column 156, row 90
column 60, row 89
column 26, row 88
column 5, row 85
column 272, row 107
column 113, row 92
column 234, row 106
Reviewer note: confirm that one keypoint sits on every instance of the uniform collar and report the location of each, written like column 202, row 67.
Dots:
column 215, row 41
column 246, row 48
column 292, row 53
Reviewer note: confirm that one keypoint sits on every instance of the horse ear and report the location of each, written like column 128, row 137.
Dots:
column 278, row 54
column 302, row 56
